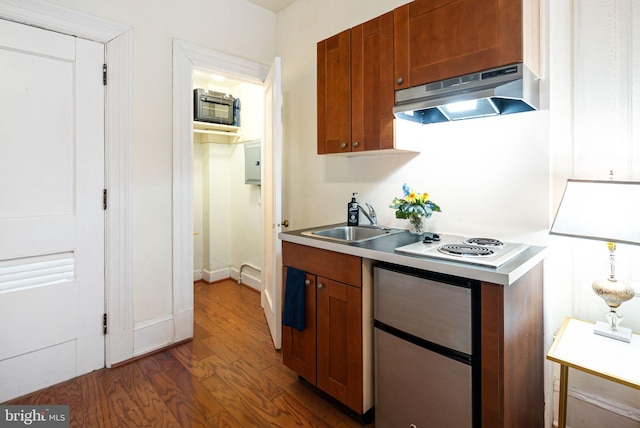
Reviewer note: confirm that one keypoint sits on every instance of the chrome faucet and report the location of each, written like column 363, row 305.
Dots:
column 371, row 216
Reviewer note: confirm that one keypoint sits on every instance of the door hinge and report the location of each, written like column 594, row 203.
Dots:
column 104, row 323
column 104, row 199
column 104, row 74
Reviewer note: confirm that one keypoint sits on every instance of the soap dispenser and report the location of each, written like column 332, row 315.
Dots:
column 353, row 212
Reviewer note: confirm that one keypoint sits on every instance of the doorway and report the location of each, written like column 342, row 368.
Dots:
column 227, row 218
column 187, row 57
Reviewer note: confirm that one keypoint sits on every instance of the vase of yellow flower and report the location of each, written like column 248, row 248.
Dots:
column 416, row 207
column 417, row 223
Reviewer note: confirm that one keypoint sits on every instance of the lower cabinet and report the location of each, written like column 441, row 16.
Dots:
column 299, row 347
column 335, row 350
column 329, row 352
column 339, row 338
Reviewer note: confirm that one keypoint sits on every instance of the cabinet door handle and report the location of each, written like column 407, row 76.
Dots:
column 343, row 145
column 307, row 282
column 399, row 80
column 356, row 144
column 320, row 285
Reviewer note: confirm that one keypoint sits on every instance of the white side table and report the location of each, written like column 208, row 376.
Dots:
column 576, row 346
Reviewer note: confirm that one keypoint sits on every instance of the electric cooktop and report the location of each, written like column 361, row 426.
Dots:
column 479, row 251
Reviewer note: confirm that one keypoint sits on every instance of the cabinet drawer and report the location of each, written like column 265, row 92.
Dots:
column 337, row 266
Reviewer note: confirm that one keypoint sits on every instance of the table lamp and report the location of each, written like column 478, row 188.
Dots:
column 605, row 211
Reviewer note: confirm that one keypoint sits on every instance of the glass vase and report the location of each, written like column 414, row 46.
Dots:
column 417, row 224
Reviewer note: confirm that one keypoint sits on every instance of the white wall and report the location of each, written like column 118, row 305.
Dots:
column 226, row 210
column 244, row 30
column 474, row 170
column 499, row 177
column 594, row 116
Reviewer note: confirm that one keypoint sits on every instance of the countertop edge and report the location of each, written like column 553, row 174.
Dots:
column 506, row 274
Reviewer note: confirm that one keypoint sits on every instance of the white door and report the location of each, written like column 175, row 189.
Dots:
column 271, row 171
column 51, row 213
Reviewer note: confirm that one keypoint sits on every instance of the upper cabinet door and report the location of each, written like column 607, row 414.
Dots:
column 372, row 85
column 438, row 39
column 334, row 94
column 356, row 88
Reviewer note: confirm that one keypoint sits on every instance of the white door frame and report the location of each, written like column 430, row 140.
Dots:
column 186, row 56
column 118, row 41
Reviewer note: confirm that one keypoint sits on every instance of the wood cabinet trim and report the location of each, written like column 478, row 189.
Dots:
column 512, row 352
column 372, row 87
column 340, row 267
column 401, row 39
column 492, row 352
column 334, row 93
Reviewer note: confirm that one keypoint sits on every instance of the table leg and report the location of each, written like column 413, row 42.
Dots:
column 562, row 407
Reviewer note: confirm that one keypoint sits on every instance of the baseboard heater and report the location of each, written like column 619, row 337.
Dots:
column 242, row 267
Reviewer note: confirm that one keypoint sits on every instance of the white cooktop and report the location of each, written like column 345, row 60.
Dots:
column 498, row 256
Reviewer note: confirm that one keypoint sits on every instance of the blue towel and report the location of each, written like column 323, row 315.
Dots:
column 294, row 299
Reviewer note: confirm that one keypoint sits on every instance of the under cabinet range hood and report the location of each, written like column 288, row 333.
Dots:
column 503, row 90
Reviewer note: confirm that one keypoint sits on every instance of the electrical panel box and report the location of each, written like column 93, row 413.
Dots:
column 252, row 163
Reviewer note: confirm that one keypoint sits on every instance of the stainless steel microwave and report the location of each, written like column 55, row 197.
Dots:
column 213, row 107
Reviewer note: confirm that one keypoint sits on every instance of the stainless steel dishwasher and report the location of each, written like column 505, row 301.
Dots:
column 426, row 349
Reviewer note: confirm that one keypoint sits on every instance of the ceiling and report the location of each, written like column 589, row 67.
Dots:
column 273, row 5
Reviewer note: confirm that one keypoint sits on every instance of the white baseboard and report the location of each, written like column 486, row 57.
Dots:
column 153, row 334
column 249, row 277
column 119, row 346
column 183, row 323
column 216, row 275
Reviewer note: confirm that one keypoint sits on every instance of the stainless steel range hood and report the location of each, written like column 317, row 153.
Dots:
column 503, row 90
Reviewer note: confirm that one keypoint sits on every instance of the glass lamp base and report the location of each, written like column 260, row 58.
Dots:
column 604, row 329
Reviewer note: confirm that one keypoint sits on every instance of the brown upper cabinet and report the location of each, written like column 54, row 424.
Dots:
column 421, row 42
column 439, row 39
column 356, row 88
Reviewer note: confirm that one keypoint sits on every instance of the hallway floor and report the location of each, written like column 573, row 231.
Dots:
column 228, row 376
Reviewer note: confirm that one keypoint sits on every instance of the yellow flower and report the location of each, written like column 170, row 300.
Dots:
column 413, row 204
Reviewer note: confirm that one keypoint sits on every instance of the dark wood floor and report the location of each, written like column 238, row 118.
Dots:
column 228, row 376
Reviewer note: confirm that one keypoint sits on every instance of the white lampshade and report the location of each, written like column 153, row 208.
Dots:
column 601, row 210
column 604, row 211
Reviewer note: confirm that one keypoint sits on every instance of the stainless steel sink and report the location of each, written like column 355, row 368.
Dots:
column 351, row 233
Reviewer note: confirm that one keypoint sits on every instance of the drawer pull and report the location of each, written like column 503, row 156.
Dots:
column 307, row 282
column 320, row 285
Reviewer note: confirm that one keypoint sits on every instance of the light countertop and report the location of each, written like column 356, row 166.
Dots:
column 382, row 249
